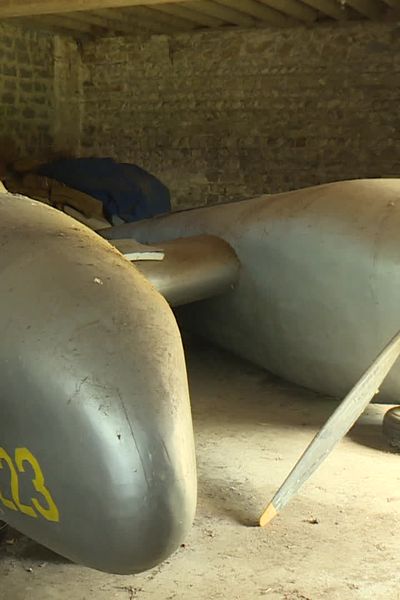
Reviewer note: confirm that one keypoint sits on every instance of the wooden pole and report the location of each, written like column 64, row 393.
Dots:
column 335, row 428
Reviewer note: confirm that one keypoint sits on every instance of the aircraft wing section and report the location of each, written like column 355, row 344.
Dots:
column 186, row 269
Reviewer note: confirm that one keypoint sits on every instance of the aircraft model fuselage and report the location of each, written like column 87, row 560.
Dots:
column 319, row 287
column 96, row 440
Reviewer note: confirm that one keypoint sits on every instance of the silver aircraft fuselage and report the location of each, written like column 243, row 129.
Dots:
column 319, row 288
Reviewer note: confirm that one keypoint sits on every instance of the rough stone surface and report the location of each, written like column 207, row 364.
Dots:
column 217, row 116
column 26, row 90
column 40, row 93
column 227, row 115
column 67, row 95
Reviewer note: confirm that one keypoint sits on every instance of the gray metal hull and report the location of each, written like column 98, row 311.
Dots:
column 96, row 442
column 319, row 288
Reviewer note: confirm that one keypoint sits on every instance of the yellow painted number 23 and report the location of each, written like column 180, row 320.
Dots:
column 44, row 504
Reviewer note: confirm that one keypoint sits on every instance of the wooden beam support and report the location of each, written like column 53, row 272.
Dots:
column 294, row 9
column 68, row 23
column 135, row 21
column 188, row 13
column 92, row 18
column 29, row 8
column 40, row 24
column 62, row 22
column 174, row 22
column 182, row 14
column 331, row 8
column 224, row 13
column 260, row 11
column 393, row 4
column 369, row 8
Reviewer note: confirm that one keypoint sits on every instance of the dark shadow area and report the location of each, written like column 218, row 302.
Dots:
column 282, row 403
column 262, row 396
column 16, row 545
column 370, row 435
column 368, row 430
column 228, row 392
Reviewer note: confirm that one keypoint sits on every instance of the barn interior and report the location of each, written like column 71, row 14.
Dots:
column 223, row 101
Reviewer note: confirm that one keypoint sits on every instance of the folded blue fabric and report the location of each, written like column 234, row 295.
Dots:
column 126, row 190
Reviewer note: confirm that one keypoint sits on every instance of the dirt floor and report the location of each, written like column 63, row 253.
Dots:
column 337, row 540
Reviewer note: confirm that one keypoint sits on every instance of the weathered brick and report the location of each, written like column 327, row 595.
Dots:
column 40, row 87
column 8, row 98
column 23, row 58
column 25, row 72
column 9, row 70
column 26, row 100
column 26, row 86
column 217, row 115
column 10, row 85
column 227, row 115
column 28, row 113
column 7, row 41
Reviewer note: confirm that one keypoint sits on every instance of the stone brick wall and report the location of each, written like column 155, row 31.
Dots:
column 224, row 116
column 40, row 93
column 217, row 116
column 26, row 90
column 67, row 92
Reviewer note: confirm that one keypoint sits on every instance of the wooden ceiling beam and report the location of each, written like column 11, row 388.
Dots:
column 92, row 18
column 136, row 20
column 230, row 15
column 393, row 4
column 331, row 8
column 67, row 24
column 369, row 8
column 177, row 23
column 30, row 8
column 43, row 25
column 261, row 12
column 188, row 13
column 249, row 8
column 294, row 9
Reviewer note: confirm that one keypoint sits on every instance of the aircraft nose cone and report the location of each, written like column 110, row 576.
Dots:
column 97, row 422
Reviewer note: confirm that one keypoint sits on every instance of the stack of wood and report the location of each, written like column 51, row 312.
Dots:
column 21, row 179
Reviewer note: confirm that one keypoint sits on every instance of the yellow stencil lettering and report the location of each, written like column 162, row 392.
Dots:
column 50, row 511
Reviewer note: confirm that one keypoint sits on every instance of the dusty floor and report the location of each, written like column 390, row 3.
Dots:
column 339, row 539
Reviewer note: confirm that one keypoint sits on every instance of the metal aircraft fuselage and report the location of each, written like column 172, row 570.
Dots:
column 96, row 441
column 319, row 286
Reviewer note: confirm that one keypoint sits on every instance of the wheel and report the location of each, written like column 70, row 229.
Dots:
column 391, row 427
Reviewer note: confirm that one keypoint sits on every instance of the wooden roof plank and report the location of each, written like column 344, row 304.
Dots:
column 64, row 22
column 136, row 20
column 97, row 20
column 40, row 24
column 230, row 15
column 393, row 4
column 369, row 8
column 189, row 14
column 293, row 8
column 24, row 8
column 332, row 8
column 177, row 23
column 261, row 12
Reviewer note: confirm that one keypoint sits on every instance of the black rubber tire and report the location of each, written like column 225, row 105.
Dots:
column 391, row 427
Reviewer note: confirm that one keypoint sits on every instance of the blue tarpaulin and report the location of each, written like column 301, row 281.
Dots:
column 125, row 190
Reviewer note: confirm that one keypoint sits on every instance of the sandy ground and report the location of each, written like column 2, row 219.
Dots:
column 338, row 539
